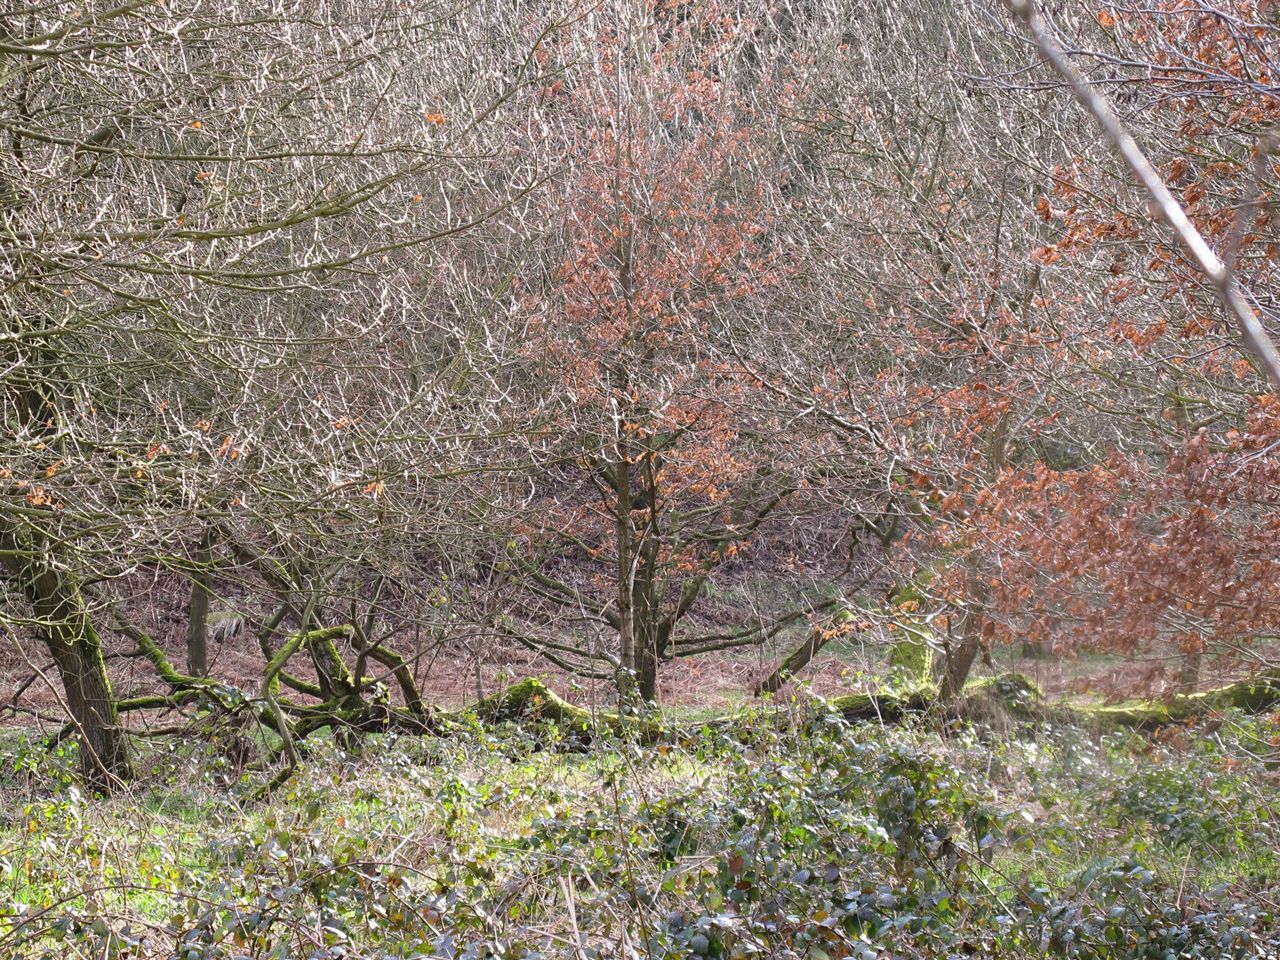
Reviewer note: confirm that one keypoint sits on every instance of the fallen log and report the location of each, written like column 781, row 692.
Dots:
column 532, row 700
column 1015, row 694
column 1257, row 694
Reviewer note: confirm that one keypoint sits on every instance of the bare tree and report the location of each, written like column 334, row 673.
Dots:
column 215, row 288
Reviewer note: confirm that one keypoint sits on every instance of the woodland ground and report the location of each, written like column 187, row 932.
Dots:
column 778, row 833
column 785, row 833
column 454, row 678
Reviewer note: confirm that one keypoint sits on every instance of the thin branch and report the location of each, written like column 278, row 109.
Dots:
column 1163, row 201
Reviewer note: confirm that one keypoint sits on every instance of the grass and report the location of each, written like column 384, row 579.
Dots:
column 807, row 839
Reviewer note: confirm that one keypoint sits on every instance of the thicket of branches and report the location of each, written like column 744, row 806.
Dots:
column 376, row 321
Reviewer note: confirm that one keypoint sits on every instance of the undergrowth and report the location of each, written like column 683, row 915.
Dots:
column 811, row 839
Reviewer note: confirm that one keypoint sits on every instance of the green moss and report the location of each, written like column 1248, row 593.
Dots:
column 911, row 656
column 882, row 705
column 532, row 700
column 1014, row 693
column 1253, row 695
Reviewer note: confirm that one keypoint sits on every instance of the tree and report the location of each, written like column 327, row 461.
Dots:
column 1017, row 321
column 669, row 460
column 1163, row 541
column 200, row 207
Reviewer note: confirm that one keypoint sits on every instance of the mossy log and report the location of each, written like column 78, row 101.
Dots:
column 1019, row 698
column 815, row 639
column 532, row 700
column 1014, row 694
column 1256, row 694
column 882, row 706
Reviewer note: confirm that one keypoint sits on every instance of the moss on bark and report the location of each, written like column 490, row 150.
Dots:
column 1013, row 693
column 532, row 700
column 1255, row 694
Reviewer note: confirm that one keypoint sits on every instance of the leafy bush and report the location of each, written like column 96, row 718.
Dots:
column 1196, row 802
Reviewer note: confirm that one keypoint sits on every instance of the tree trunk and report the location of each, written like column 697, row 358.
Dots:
column 73, row 644
column 1189, row 674
column 959, row 659
column 1035, row 649
column 626, row 578
column 54, row 595
column 104, row 752
column 795, row 661
column 648, row 617
column 198, row 608
column 646, row 666
column 911, row 657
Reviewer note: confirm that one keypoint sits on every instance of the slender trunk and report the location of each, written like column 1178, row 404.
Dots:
column 29, row 391
column 959, row 662
column 647, row 654
column 626, row 579
column 104, row 752
column 198, row 608
column 795, row 661
column 644, row 631
column 645, row 603
column 1189, row 674
column 652, row 633
column 1035, row 649
column 959, row 659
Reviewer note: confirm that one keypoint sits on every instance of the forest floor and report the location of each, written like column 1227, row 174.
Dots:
column 785, row 835
column 779, row 833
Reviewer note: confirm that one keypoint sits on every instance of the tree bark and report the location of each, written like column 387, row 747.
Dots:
column 959, row 660
column 646, row 666
column 66, row 630
column 956, row 669
column 104, row 752
column 619, row 474
column 794, row 662
column 198, row 608
column 1035, row 649
column 1189, row 674
column 648, row 616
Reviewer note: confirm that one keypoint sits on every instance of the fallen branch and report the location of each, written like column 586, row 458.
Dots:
column 1257, row 694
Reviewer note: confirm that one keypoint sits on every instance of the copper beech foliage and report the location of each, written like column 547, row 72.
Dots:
column 1163, row 527
column 1173, row 546
column 670, row 459
column 1026, row 359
